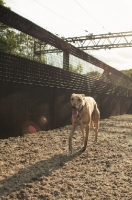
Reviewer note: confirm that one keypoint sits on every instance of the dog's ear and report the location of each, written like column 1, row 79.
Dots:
column 83, row 95
column 72, row 94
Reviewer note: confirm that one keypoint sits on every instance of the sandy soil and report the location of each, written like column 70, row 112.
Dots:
column 37, row 166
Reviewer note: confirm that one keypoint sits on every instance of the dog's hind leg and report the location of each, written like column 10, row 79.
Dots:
column 96, row 117
column 92, row 124
column 96, row 130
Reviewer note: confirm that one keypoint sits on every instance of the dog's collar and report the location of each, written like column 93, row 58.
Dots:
column 79, row 117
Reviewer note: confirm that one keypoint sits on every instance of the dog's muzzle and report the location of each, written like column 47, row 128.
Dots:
column 74, row 111
column 74, row 107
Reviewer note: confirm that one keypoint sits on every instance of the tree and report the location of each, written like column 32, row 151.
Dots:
column 128, row 72
column 78, row 69
column 7, row 37
column 25, row 45
column 94, row 75
column 2, row 3
column 16, row 42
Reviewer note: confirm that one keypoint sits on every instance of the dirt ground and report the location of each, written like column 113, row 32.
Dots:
column 37, row 166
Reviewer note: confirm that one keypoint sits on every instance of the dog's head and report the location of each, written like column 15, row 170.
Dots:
column 77, row 102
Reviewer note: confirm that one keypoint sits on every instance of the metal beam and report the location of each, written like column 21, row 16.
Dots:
column 96, row 42
column 14, row 20
column 102, row 41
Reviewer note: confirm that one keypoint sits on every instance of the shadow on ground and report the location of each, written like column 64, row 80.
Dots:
column 35, row 172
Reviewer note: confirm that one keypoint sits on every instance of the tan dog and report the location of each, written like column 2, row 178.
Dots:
column 84, row 112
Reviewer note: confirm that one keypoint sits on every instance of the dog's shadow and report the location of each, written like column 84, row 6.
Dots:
column 34, row 173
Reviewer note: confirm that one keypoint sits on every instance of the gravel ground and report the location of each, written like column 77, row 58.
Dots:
column 37, row 166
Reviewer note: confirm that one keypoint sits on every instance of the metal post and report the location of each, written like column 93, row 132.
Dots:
column 65, row 60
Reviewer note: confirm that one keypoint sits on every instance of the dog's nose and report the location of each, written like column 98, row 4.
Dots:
column 74, row 106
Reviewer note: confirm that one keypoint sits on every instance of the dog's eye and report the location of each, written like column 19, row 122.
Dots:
column 79, row 99
column 72, row 99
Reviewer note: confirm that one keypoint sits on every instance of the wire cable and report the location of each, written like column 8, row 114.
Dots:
column 91, row 15
column 96, row 21
column 59, row 15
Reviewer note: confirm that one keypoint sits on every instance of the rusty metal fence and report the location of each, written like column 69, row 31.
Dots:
column 107, row 80
column 55, row 78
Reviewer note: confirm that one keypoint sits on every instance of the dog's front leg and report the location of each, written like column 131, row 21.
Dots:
column 70, row 137
column 83, row 131
column 86, row 137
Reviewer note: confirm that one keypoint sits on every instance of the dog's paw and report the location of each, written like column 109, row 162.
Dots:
column 70, row 151
column 83, row 149
column 95, row 142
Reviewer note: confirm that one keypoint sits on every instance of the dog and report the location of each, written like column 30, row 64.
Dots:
column 84, row 112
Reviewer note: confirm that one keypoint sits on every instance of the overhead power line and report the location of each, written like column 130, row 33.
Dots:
column 59, row 15
column 91, row 15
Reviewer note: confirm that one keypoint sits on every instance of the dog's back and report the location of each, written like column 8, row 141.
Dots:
column 91, row 103
column 93, row 111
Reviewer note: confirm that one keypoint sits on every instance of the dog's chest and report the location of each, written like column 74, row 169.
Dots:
column 81, row 118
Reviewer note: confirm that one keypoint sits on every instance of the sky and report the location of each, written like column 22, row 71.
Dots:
column 71, row 18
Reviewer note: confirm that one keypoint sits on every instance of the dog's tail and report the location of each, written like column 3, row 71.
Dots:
column 95, row 112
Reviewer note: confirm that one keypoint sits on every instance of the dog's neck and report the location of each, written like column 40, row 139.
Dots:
column 81, row 108
column 83, row 105
column 79, row 116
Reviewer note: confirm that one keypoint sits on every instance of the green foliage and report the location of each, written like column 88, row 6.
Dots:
column 94, row 74
column 128, row 72
column 25, row 45
column 2, row 3
column 7, row 41
column 16, row 42
column 78, row 69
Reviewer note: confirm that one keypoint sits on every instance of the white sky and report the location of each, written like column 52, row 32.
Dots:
column 70, row 18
